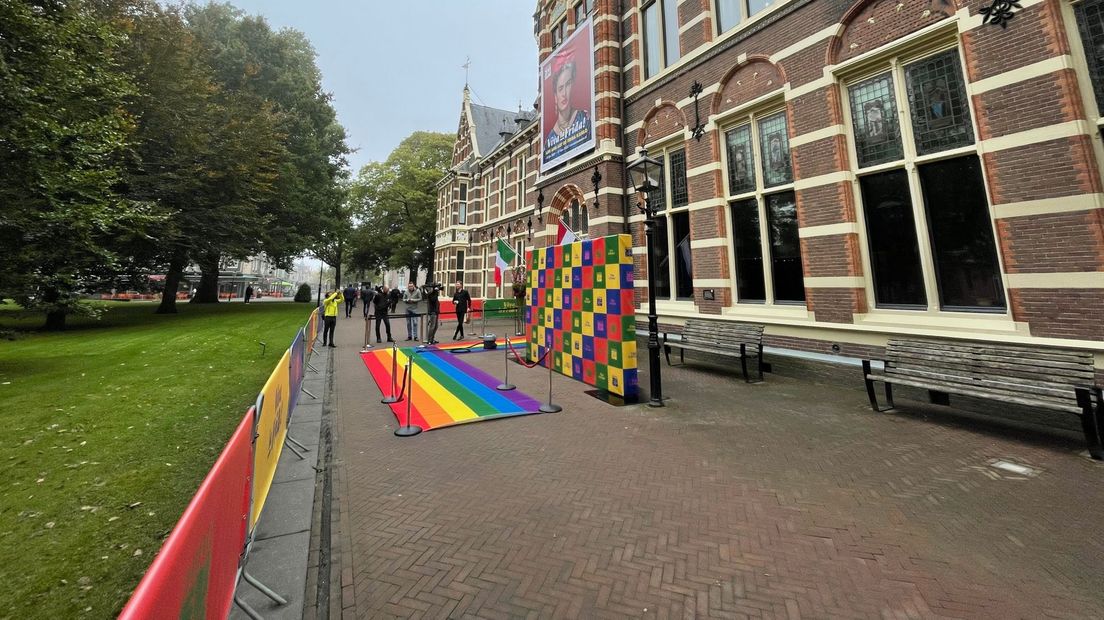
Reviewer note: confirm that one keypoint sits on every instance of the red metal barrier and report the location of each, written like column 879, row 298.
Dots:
column 196, row 571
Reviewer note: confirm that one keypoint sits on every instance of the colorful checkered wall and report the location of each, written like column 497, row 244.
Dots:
column 581, row 309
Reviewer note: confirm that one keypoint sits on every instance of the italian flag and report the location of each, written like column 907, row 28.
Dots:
column 504, row 256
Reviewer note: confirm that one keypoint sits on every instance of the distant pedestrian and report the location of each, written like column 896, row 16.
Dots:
column 433, row 307
column 248, row 293
column 329, row 317
column 413, row 299
column 350, row 299
column 382, row 303
column 462, row 300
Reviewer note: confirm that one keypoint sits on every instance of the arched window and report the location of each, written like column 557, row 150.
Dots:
column 573, row 219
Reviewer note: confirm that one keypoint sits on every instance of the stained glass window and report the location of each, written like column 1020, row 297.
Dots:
column 1090, row 21
column 774, row 144
column 741, row 160
column 937, row 98
column 677, row 164
column 874, row 118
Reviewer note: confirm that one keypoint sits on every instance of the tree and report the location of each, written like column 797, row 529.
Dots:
column 279, row 68
column 396, row 202
column 63, row 128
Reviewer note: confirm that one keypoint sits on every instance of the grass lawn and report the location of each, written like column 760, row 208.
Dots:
column 109, row 429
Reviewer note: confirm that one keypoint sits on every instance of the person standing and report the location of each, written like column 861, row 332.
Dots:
column 329, row 317
column 382, row 303
column 366, row 295
column 433, row 306
column 412, row 297
column 395, row 295
column 248, row 293
column 462, row 300
column 350, row 299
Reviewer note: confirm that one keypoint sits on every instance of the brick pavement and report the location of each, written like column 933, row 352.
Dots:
column 786, row 499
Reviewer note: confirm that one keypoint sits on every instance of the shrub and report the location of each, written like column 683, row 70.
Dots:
column 303, row 294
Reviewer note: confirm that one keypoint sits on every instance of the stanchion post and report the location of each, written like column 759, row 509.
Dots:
column 506, row 386
column 550, row 407
column 394, row 397
column 367, row 336
column 408, row 430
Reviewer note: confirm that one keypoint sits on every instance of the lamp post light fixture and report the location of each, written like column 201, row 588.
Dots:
column 646, row 173
column 540, row 205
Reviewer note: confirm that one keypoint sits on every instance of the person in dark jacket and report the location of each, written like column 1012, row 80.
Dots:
column 382, row 303
column 462, row 300
column 350, row 299
column 433, row 307
column 366, row 297
column 248, row 293
column 395, row 295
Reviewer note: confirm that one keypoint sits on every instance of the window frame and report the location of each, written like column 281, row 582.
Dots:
column 462, row 204
column 1093, row 109
column 758, row 193
column 661, row 32
column 663, row 152
column 894, row 63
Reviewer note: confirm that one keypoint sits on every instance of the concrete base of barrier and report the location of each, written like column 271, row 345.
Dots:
column 282, row 543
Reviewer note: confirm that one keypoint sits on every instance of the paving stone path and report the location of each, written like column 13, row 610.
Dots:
column 787, row 499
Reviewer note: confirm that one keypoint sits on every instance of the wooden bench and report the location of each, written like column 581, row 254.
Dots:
column 724, row 338
column 1053, row 379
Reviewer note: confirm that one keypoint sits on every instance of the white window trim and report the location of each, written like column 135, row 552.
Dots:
column 759, row 194
column 891, row 61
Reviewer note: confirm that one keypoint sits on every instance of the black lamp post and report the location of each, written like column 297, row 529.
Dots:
column 646, row 173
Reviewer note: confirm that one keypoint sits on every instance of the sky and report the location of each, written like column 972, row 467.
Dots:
column 395, row 67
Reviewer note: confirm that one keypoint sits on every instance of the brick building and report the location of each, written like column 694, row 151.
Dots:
column 848, row 169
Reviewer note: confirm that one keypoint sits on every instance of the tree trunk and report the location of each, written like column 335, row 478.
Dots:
column 340, row 257
column 208, row 290
column 55, row 319
column 172, row 285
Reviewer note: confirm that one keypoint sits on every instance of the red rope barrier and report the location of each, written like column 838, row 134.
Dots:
column 523, row 362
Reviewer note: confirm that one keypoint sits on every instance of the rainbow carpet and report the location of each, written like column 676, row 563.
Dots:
column 445, row 391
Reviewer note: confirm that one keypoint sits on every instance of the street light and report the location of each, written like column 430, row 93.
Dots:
column 646, row 173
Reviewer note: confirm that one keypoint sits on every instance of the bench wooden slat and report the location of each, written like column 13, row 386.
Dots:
column 993, row 361
column 970, row 390
column 722, row 338
column 1041, row 376
column 1046, row 392
column 995, row 349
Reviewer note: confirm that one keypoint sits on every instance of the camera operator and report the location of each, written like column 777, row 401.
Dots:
column 432, row 293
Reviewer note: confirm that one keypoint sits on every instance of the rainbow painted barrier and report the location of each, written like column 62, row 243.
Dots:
column 197, row 570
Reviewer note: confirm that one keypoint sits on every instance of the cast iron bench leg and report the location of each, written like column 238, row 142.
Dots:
column 872, row 394
column 743, row 362
column 1091, row 421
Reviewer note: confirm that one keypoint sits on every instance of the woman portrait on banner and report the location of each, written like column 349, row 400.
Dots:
column 572, row 123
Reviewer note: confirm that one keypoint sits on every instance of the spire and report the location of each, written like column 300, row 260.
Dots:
column 467, row 68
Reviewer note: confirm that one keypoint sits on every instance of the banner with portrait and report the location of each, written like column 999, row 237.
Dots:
column 567, row 99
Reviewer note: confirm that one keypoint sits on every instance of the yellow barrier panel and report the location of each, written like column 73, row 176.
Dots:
column 272, row 420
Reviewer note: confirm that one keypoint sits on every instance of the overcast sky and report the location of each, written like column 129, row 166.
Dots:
column 395, row 67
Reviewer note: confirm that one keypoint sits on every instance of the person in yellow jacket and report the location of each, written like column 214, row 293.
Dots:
column 329, row 316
